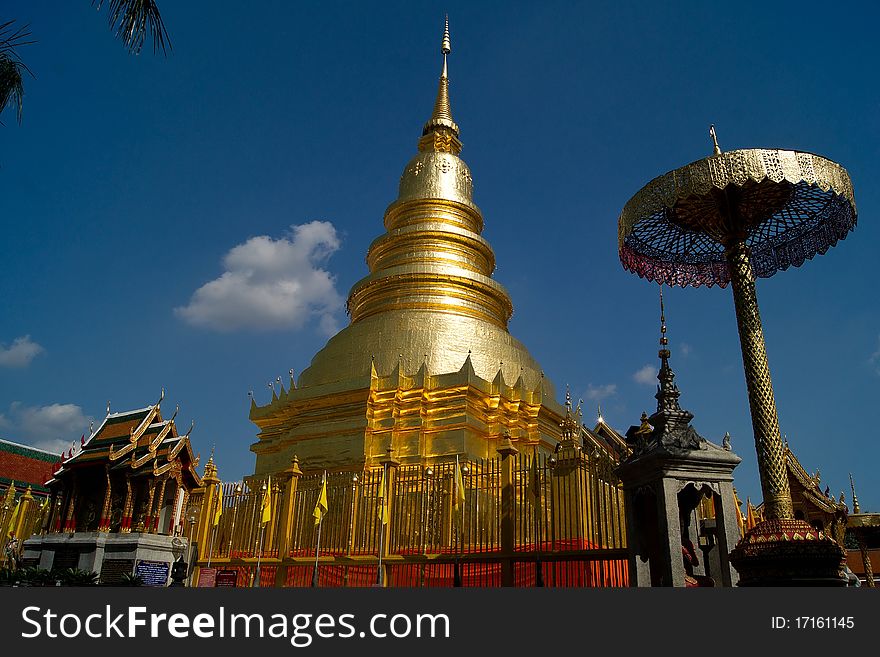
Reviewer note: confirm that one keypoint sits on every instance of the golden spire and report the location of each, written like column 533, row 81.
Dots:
column 852, row 484
column 716, row 149
column 430, row 287
column 445, row 46
column 441, row 132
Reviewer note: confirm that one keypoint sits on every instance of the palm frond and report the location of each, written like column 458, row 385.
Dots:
column 11, row 37
column 12, row 69
column 132, row 19
column 11, row 86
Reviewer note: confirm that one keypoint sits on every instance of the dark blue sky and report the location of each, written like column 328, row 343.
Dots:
column 132, row 177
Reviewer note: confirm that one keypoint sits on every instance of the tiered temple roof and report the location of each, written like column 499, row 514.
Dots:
column 137, row 441
column 810, row 502
column 134, row 473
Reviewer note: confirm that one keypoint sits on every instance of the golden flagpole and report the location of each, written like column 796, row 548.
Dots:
column 215, row 522
column 320, row 509
column 266, row 491
column 383, row 519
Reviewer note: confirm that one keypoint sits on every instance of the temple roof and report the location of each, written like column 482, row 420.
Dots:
column 609, row 437
column 25, row 465
column 140, row 441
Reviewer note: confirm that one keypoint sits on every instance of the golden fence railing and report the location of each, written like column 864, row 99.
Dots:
column 568, row 504
column 524, row 520
column 21, row 515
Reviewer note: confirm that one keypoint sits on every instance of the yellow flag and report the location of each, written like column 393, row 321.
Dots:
column 321, row 505
column 740, row 518
column 383, row 500
column 458, row 496
column 535, row 480
column 218, row 510
column 267, row 503
column 14, row 517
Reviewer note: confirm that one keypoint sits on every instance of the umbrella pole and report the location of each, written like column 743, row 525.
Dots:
column 765, row 423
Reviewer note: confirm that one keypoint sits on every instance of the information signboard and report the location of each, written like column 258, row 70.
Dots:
column 153, row 573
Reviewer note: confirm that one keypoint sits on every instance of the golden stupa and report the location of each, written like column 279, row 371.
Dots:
column 427, row 366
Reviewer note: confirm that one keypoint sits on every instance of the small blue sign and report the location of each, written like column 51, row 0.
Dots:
column 153, row 573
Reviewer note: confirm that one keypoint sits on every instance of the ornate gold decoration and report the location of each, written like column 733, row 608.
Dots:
column 440, row 141
column 771, row 451
column 137, row 432
column 441, row 118
column 790, row 206
column 855, row 499
column 860, row 523
column 783, row 551
column 154, row 444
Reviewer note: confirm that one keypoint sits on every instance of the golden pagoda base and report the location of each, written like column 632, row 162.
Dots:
column 788, row 552
column 422, row 417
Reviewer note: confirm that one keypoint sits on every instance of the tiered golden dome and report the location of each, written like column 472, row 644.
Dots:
column 429, row 298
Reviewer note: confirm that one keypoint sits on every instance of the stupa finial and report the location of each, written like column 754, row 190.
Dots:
column 445, row 46
column 855, row 499
column 441, row 125
column 716, row 149
column 667, row 392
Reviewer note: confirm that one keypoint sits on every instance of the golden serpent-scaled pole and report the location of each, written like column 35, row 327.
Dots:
column 768, row 442
column 860, row 537
column 866, row 561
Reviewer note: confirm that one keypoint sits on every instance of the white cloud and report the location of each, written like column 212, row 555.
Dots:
column 646, row 375
column 20, row 353
column 272, row 284
column 53, row 427
column 685, row 349
column 598, row 393
column 875, row 357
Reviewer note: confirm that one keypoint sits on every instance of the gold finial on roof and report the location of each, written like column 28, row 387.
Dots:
column 852, row 484
column 10, row 495
column 441, row 130
column 716, row 149
column 445, row 46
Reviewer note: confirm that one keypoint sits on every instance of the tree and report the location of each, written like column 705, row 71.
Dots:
column 12, row 69
column 131, row 20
